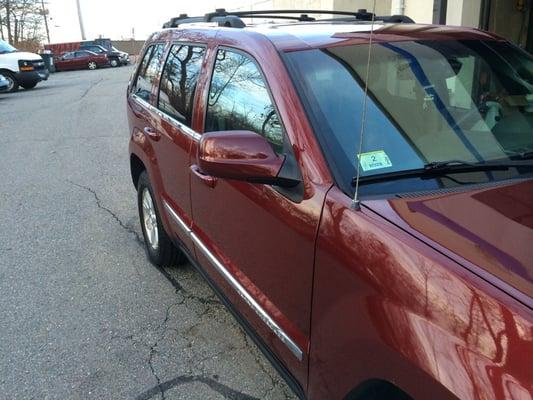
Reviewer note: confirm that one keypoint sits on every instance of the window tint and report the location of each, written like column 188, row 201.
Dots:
column 94, row 49
column 81, row 54
column 68, row 56
column 178, row 82
column 148, row 70
column 239, row 99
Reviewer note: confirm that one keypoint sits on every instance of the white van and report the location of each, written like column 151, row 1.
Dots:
column 21, row 68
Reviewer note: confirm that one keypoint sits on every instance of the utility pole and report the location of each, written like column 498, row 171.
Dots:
column 45, row 16
column 82, row 29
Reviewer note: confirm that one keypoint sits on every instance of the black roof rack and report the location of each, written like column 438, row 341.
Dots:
column 233, row 19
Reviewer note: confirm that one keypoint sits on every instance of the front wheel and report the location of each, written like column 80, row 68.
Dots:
column 113, row 62
column 92, row 65
column 159, row 248
column 13, row 85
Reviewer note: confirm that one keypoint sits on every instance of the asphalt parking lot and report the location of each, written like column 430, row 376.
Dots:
column 83, row 315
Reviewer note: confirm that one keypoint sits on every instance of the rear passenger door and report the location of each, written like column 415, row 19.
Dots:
column 177, row 89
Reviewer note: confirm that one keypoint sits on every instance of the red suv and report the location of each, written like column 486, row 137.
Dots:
column 359, row 194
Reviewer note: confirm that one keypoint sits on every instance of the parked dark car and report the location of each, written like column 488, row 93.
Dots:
column 81, row 59
column 116, row 58
column 359, row 195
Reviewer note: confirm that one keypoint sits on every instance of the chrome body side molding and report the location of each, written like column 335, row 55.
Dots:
column 236, row 285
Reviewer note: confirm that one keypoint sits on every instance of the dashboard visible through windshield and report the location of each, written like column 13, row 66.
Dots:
column 429, row 102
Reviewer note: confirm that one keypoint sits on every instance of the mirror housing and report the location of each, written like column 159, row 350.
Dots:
column 240, row 155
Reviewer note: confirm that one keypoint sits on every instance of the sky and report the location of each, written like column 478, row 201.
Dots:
column 115, row 19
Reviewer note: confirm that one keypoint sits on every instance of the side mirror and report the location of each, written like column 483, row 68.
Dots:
column 240, row 155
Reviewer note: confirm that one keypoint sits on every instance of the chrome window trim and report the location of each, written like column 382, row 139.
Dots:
column 247, row 297
column 184, row 128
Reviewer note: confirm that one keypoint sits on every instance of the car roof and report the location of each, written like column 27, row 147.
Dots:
column 308, row 35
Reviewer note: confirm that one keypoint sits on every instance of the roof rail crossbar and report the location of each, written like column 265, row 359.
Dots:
column 222, row 20
column 233, row 19
column 360, row 14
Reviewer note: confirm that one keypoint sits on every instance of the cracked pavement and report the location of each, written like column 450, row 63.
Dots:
column 83, row 315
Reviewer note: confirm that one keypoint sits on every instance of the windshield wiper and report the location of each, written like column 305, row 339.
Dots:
column 526, row 155
column 443, row 168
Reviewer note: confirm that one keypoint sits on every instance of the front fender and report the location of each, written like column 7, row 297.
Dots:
column 387, row 306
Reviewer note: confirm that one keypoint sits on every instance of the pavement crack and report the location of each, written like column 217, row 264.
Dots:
column 152, row 369
column 86, row 92
column 99, row 204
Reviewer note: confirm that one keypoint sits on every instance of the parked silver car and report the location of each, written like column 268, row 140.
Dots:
column 4, row 84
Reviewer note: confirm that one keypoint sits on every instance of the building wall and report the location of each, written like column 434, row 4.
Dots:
column 464, row 13
column 383, row 7
column 506, row 20
column 420, row 10
column 132, row 47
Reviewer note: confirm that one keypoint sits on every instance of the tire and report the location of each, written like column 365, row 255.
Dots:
column 114, row 62
column 92, row 65
column 29, row 86
column 13, row 84
column 159, row 248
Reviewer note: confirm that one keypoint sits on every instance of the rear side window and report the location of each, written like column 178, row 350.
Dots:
column 178, row 82
column 239, row 99
column 94, row 49
column 148, row 71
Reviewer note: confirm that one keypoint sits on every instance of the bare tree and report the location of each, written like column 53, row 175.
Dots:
column 21, row 21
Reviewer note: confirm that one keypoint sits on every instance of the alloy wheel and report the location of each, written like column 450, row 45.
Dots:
column 11, row 83
column 149, row 219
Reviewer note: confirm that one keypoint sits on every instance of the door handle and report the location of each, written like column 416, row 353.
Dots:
column 207, row 180
column 152, row 133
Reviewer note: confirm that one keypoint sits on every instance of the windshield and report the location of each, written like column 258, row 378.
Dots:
column 6, row 48
column 429, row 101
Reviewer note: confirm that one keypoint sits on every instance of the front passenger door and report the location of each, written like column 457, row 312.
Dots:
column 256, row 242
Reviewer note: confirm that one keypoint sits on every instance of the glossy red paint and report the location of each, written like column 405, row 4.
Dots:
column 294, row 37
column 240, row 155
column 413, row 308
column 478, row 240
column 388, row 292
column 258, row 253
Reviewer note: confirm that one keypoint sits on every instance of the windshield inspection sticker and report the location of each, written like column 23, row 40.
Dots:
column 374, row 160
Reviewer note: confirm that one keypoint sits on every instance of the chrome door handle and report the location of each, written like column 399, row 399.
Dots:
column 207, row 180
column 152, row 133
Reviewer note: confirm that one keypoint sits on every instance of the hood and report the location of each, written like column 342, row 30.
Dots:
column 491, row 228
column 21, row 55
